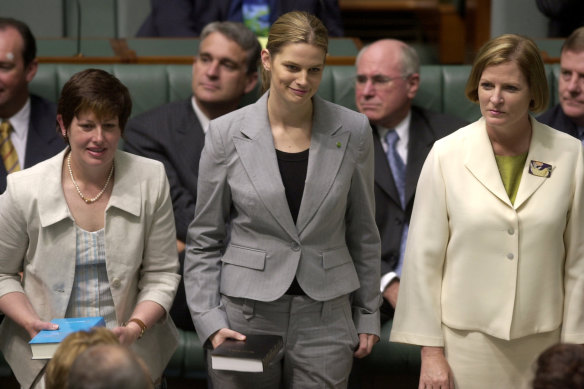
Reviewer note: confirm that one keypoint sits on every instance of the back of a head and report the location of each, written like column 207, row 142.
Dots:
column 73, row 345
column 108, row 367
column 560, row 366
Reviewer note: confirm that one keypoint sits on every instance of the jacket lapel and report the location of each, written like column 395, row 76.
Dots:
column 539, row 150
column 480, row 160
column 256, row 150
column 328, row 144
column 52, row 205
column 421, row 140
column 126, row 193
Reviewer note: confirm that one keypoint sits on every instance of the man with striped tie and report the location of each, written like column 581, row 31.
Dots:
column 27, row 122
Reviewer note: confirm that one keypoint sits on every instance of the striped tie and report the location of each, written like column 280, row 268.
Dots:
column 9, row 156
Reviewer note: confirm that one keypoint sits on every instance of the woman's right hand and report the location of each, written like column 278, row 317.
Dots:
column 224, row 333
column 35, row 326
column 435, row 372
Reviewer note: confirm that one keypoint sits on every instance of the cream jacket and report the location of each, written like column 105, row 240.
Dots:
column 37, row 236
column 474, row 261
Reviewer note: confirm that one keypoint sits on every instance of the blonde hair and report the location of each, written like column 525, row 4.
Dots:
column 294, row 27
column 72, row 346
column 512, row 48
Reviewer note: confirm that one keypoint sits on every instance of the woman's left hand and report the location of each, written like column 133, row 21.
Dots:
column 129, row 334
column 366, row 342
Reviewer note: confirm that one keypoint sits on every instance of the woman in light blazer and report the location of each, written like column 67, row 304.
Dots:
column 290, row 180
column 92, row 232
column 494, row 267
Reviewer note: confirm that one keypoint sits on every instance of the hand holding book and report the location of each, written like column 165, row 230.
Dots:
column 253, row 354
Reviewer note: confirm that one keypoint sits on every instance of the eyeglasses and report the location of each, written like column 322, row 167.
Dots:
column 377, row 80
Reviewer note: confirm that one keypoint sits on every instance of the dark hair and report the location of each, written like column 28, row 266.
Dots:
column 560, row 366
column 29, row 49
column 512, row 48
column 294, row 27
column 97, row 91
column 240, row 34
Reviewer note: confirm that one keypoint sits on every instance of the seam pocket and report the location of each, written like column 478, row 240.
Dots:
column 246, row 257
column 335, row 257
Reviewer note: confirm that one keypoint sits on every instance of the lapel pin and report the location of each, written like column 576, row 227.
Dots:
column 339, row 145
column 540, row 169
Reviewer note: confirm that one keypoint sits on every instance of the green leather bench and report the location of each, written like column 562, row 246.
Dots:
column 441, row 89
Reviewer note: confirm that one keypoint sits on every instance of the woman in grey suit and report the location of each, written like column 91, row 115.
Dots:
column 291, row 178
column 89, row 232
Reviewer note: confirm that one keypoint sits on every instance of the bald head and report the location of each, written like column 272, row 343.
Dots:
column 387, row 81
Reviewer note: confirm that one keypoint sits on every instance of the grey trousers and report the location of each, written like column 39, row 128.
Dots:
column 319, row 341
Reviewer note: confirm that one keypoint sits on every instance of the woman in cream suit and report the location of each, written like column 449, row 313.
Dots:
column 494, row 267
column 92, row 232
column 290, row 179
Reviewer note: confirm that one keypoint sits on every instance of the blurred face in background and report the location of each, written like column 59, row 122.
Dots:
column 220, row 76
column 14, row 75
column 571, row 87
column 382, row 92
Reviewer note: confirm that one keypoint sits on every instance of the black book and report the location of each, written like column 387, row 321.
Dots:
column 253, row 354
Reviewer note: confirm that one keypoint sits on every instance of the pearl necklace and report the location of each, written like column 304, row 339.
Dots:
column 86, row 199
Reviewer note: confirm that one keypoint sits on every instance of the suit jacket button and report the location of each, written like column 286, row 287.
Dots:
column 510, row 256
column 116, row 283
column 295, row 246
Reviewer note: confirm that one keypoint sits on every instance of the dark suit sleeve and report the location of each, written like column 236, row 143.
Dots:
column 329, row 13
column 141, row 138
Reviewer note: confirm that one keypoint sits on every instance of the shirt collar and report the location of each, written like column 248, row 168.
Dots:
column 20, row 120
column 203, row 119
column 402, row 129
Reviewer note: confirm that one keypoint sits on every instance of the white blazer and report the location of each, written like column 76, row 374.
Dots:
column 37, row 236
column 474, row 261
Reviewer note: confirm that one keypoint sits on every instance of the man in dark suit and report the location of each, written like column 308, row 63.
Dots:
column 568, row 115
column 188, row 17
column 223, row 71
column 386, row 83
column 32, row 119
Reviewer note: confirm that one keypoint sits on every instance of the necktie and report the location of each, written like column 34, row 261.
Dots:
column 398, row 171
column 9, row 156
column 398, row 168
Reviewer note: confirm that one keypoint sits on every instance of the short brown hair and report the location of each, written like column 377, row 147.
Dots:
column 72, row 346
column 294, row 27
column 512, row 48
column 97, row 91
column 575, row 42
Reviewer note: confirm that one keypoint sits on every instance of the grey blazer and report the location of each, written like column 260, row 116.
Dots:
column 333, row 249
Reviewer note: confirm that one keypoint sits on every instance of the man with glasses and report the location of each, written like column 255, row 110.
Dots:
column 386, row 83
column 568, row 115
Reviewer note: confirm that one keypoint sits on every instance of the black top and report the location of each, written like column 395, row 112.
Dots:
column 293, row 167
